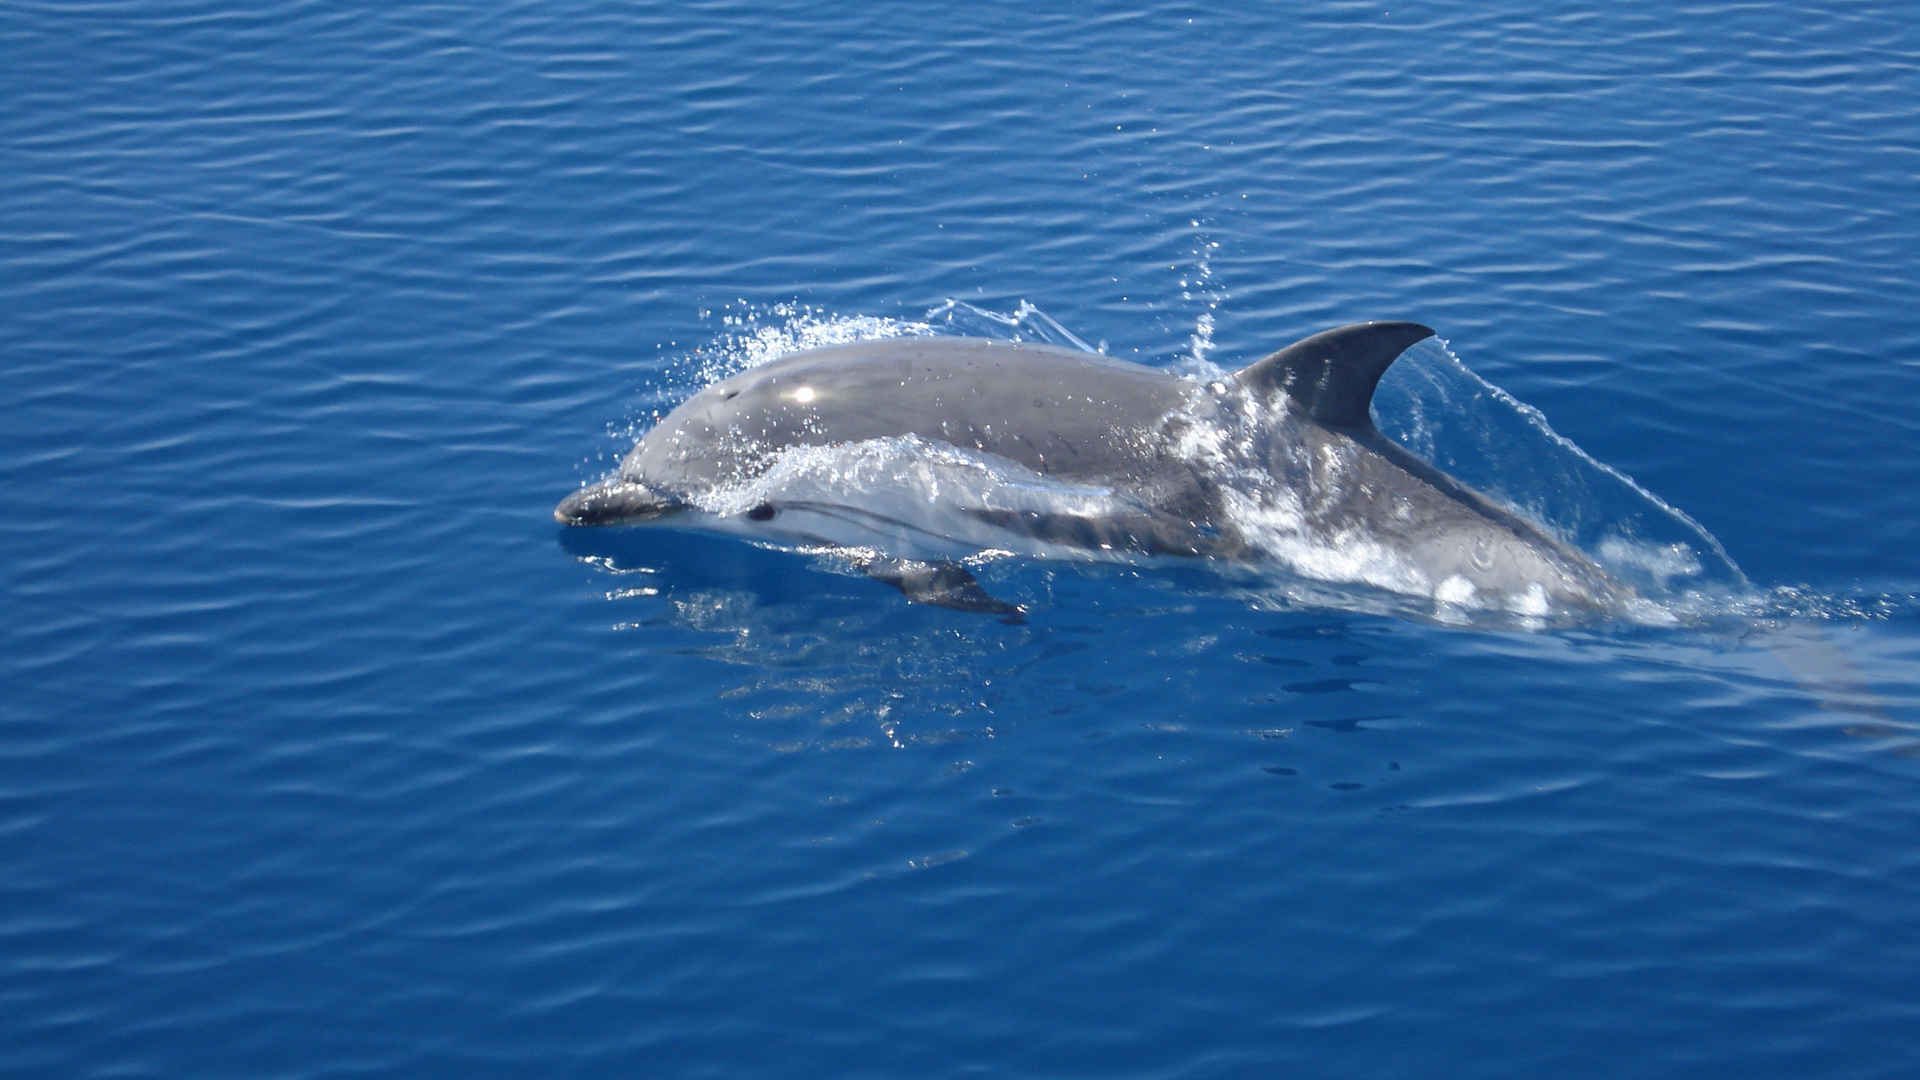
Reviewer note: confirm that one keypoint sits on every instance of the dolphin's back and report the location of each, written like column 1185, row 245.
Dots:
column 1060, row 412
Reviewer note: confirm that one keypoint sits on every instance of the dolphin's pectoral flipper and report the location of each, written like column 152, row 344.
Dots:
column 943, row 584
column 1332, row 374
column 1144, row 533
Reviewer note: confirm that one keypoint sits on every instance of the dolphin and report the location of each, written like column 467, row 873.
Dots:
column 1091, row 456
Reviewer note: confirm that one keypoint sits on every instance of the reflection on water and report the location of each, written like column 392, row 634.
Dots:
column 804, row 653
column 829, row 659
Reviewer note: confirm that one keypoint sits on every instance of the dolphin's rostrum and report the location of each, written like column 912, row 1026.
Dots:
column 1281, row 457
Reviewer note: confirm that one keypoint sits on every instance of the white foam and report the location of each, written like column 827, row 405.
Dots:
column 1533, row 602
column 1455, row 590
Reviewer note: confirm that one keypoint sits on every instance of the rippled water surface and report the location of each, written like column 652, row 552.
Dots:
column 324, row 751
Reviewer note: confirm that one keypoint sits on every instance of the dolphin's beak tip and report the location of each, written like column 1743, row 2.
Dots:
column 610, row 502
column 570, row 510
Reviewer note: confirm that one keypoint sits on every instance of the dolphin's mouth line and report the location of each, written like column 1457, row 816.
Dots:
column 863, row 519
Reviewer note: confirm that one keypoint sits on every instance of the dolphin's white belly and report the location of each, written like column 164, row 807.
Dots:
column 908, row 497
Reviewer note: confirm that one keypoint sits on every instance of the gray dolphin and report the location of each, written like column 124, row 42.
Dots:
column 1156, row 464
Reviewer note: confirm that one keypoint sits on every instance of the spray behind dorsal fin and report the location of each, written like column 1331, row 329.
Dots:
column 1331, row 375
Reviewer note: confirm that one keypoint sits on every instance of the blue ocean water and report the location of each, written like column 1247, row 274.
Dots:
column 324, row 751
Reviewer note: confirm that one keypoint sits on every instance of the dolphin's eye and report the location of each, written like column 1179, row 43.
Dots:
column 762, row 512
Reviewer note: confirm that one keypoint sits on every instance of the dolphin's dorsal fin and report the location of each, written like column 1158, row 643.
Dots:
column 1332, row 374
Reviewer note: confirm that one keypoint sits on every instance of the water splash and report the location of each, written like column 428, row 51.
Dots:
column 1198, row 286
column 1025, row 323
column 750, row 335
column 755, row 334
column 1435, row 405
